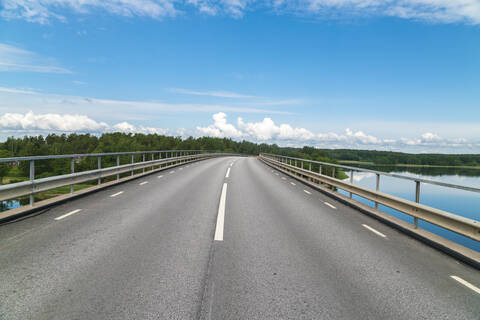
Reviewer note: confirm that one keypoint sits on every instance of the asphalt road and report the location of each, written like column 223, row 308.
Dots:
column 146, row 250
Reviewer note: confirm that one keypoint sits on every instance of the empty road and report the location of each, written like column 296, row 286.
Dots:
column 225, row 238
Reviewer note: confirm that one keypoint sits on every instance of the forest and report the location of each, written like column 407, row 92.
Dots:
column 53, row 144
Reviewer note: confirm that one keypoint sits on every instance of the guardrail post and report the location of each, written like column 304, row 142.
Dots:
column 133, row 159
column 377, row 188
column 333, row 172
column 417, row 200
column 72, row 170
column 143, row 159
column 118, row 164
column 351, row 181
column 32, row 177
column 153, row 158
column 99, row 167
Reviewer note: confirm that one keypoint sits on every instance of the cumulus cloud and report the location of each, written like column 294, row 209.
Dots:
column 17, row 59
column 50, row 122
column 440, row 11
column 220, row 128
column 268, row 131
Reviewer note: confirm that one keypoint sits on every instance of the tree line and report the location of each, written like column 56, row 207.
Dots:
column 53, row 144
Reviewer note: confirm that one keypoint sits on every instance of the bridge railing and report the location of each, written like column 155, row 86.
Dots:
column 302, row 168
column 158, row 160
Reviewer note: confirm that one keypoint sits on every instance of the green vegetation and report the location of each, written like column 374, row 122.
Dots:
column 400, row 158
column 121, row 142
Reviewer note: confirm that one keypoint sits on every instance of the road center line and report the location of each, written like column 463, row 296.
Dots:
column 228, row 173
column 374, row 231
column 180, row 169
column 283, row 178
column 68, row 214
column 144, row 182
column 330, row 205
column 276, row 173
column 116, row 194
column 172, row 171
column 466, row 284
column 160, row 177
column 293, row 184
column 221, row 214
column 307, row 192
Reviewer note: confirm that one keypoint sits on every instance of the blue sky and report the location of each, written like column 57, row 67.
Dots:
column 385, row 75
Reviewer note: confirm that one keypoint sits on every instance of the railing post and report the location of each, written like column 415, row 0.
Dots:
column 99, row 160
column 351, row 181
column 153, row 158
column 309, row 166
column 133, row 159
column 377, row 188
column 333, row 172
column 118, row 164
column 32, row 177
column 72, row 170
column 417, row 200
column 143, row 159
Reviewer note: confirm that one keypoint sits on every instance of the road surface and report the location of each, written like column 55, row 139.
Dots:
column 146, row 249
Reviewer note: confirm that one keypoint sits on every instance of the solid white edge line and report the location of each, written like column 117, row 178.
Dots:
column 307, row 192
column 228, row 173
column 293, row 184
column 374, row 231
column 116, row 194
column 330, row 205
column 466, row 283
column 221, row 214
column 68, row 214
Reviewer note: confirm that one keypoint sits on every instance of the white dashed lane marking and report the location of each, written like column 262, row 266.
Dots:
column 466, row 284
column 68, row 214
column 374, row 231
column 116, row 194
column 330, row 205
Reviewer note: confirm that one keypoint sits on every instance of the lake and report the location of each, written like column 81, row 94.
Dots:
column 460, row 202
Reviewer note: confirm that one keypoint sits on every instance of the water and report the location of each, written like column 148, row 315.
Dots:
column 459, row 202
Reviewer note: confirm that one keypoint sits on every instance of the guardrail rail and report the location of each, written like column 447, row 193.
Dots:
column 159, row 160
column 460, row 225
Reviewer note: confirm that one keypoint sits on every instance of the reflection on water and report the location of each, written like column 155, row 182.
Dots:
column 460, row 202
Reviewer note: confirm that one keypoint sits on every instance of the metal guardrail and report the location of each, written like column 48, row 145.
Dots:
column 33, row 186
column 463, row 226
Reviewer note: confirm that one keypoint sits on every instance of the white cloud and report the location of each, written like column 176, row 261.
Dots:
column 285, row 134
column 217, row 94
column 439, row 11
column 220, row 128
column 17, row 59
column 50, row 122
column 24, row 100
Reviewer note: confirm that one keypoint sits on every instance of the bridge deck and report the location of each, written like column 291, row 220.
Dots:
column 146, row 250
